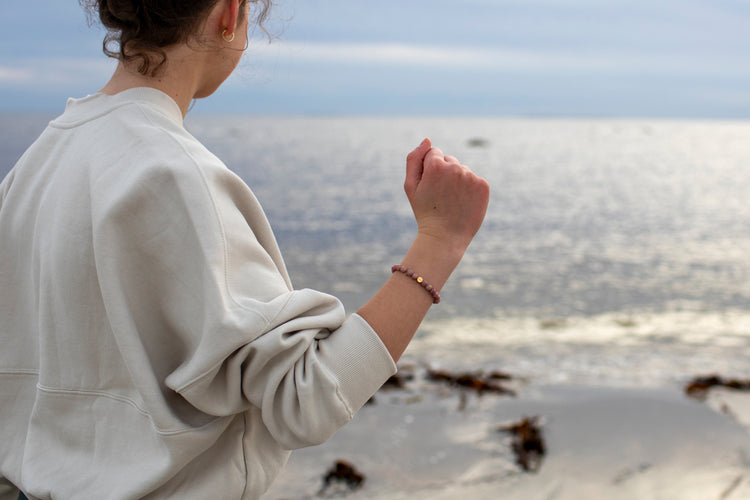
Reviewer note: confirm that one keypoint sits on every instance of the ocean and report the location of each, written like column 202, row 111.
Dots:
column 613, row 251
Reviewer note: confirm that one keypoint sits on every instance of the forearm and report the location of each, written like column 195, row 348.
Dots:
column 449, row 203
column 398, row 308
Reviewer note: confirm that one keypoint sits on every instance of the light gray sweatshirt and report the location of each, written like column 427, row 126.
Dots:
column 151, row 342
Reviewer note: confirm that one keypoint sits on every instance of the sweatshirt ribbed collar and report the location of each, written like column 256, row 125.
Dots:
column 95, row 105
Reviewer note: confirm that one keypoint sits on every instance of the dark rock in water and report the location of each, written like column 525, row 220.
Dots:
column 477, row 142
column 528, row 443
column 699, row 386
column 342, row 474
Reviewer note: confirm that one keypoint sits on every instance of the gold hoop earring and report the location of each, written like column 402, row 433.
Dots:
column 228, row 39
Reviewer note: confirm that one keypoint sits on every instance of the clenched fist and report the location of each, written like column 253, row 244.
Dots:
column 449, row 201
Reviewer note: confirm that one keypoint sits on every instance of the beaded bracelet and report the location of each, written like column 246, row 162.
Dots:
column 430, row 289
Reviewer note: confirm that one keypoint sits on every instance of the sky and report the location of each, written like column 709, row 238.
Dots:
column 557, row 58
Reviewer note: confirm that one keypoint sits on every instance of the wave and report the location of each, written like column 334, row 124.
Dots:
column 635, row 348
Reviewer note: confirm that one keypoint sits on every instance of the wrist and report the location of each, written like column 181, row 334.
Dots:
column 433, row 258
column 444, row 251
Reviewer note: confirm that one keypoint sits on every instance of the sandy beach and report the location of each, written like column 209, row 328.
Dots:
column 433, row 440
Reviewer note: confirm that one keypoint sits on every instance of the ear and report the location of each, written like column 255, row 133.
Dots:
column 230, row 11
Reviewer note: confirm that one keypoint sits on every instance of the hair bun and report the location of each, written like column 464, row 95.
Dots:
column 119, row 14
column 141, row 29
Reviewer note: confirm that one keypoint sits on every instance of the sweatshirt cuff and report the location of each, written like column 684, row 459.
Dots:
column 358, row 359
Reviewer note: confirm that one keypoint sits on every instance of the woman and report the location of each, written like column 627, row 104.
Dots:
column 153, row 345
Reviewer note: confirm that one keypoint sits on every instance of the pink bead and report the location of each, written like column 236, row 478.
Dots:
column 420, row 281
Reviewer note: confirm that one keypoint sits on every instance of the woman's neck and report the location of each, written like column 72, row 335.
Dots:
column 178, row 78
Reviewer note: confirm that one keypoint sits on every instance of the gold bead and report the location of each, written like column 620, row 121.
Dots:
column 420, row 279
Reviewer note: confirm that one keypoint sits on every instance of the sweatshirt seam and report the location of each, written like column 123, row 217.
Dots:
column 19, row 371
column 121, row 399
column 225, row 271
column 218, row 220
column 339, row 394
column 225, row 257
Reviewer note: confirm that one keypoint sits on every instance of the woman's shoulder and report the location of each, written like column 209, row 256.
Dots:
column 134, row 133
column 131, row 121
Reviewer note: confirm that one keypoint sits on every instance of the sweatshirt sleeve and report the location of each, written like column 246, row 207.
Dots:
column 205, row 317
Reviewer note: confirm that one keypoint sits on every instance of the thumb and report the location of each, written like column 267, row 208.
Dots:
column 415, row 166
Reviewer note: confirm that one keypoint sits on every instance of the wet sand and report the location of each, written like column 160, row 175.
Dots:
column 432, row 441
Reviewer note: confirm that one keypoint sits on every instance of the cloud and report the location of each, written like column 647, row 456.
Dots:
column 544, row 60
column 49, row 72
column 14, row 75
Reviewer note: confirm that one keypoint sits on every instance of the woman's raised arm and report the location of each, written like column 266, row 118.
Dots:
column 449, row 202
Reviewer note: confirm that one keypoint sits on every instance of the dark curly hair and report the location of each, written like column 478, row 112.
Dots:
column 140, row 29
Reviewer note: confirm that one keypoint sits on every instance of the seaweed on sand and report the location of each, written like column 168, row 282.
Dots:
column 528, row 443
column 341, row 475
column 476, row 382
column 699, row 386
